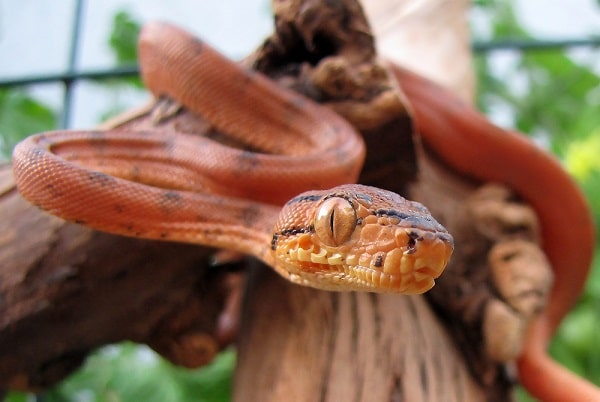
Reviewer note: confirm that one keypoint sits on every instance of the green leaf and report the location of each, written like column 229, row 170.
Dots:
column 17, row 397
column 581, row 156
column 123, row 43
column 123, row 38
column 130, row 372
column 21, row 115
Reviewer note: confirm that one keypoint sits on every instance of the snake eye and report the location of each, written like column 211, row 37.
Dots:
column 335, row 221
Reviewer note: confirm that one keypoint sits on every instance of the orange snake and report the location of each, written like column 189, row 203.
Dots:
column 197, row 197
column 186, row 188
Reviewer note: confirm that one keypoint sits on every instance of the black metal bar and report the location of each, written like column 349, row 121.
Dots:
column 534, row 45
column 65, row 117
column 131, row 71
column 117, row 72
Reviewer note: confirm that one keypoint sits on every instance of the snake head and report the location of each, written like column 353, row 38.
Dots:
column 360, row 238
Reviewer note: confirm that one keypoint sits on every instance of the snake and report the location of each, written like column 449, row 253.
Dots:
column 334, row 235
column 330, row 234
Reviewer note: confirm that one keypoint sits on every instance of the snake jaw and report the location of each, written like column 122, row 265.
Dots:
column 394, row 245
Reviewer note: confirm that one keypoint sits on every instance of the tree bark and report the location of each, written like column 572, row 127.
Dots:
column 302, row 344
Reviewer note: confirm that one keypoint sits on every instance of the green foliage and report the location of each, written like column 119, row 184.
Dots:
column 581, row 159
column 123, row 43
column 555, row 104
column 123, row 38
column 129, row 373
column 133, row 373
column 577, row 343
column 18, row 397
column 21, row 115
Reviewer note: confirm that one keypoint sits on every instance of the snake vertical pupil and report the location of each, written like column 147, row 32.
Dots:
column 335, row 221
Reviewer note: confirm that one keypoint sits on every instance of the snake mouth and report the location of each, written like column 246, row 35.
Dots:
column 410, row 267
column 412, row 270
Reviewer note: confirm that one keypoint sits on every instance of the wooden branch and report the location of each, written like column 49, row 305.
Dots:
column 306, row 345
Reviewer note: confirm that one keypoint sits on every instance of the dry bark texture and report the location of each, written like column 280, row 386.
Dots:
column 300, row 344
column 65, row 290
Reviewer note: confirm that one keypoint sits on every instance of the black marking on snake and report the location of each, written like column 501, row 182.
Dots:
column 290, row 232
column 37, row 153
column 295, row 231
column 55, row 191
column 303, row 198
column 98, row 138
column 198, row 47
column 250, row 214
column 364, row 197
column 172, row 196
column 393, row 213
column 340, row 195
column 415, row 220
column 170, row 201
column 378, row 260
column 101, row 178
column 246, row 161
column 274, row 241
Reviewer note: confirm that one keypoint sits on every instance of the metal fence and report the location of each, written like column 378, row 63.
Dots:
column 72, row 75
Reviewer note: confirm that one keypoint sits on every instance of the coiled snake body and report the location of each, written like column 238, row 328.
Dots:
column 187, row 188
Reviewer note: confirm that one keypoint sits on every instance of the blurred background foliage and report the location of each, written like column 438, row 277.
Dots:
column 552, row 95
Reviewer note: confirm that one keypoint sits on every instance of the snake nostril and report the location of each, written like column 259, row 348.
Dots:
column 411, row 245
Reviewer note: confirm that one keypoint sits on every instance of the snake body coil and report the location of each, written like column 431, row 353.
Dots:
column 186, row 188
